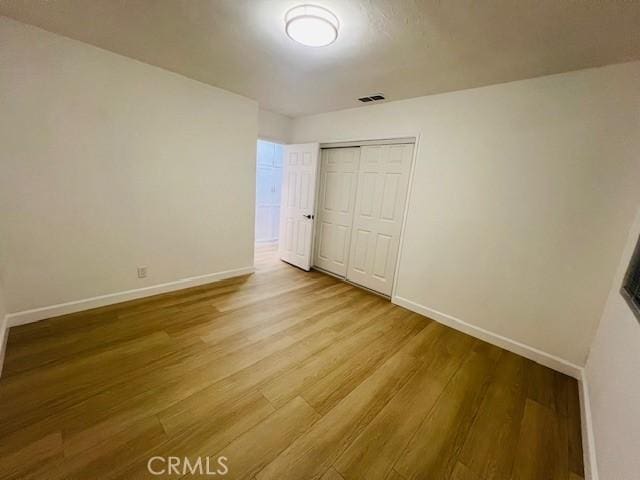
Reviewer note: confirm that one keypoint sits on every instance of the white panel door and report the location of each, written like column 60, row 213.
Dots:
column 383, row 180
column 337, row 198
column 297, row 207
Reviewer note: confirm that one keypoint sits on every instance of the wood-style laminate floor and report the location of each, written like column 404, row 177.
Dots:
column 289, row 375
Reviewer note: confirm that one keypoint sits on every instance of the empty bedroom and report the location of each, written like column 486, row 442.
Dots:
column 336, row 240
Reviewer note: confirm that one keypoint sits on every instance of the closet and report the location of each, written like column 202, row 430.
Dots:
column 361, row 200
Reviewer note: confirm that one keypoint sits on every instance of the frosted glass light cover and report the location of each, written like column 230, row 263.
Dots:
column 311, row 25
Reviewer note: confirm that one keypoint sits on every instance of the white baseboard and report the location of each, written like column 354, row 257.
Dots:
column 532, row 353
column 4, row 335
column 588, row 440
column 36, row 314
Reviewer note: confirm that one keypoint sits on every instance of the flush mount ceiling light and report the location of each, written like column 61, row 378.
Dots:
column 311, row 25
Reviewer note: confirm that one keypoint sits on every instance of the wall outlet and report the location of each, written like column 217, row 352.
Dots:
column 142, row 272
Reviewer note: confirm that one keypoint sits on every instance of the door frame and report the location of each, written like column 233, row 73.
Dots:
column 391, row 140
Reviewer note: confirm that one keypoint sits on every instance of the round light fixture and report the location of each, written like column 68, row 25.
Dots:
column 311, row 25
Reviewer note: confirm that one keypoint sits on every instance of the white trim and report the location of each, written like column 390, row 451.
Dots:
column 588, row 439
column 277, row 141
column 36, row 314
column 532, row 353
column 316, row 196
column 405, row 213
column 4, row 335
column 364, row 143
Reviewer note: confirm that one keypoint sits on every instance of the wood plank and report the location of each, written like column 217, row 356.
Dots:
column 542, row 446
column 64, row 385
column 548, row 388
column 20, row 463
column 448, row 423
column 202, row 439
column 462, row 472
column 250, row 452
column 197, row 406
column 393, row 475
column 498, row 421
column 315, row 451
column 107, row 454
column 329, row 390
column 279, row 362
column 373, row 453
column 331, row 474
column 284, row 387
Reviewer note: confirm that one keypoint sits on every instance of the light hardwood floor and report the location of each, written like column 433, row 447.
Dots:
column 290, row 375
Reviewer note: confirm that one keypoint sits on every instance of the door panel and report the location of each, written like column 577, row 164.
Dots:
column 338, row 177
column 389, row 196
column 358, row 262
column 380, row 255
column 383, row 181
column 298, row 194
column 323, row 243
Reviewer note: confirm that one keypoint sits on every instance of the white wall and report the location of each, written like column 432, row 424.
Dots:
column 612, row 374
column 274, row 126
column 107, row 164
column 522, row 197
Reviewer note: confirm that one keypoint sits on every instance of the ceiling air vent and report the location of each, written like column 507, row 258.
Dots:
column 372, row 98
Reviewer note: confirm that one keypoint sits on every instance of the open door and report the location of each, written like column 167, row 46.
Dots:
column 298, row 203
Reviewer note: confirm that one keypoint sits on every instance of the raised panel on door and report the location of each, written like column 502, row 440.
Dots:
column 336, row 201
column 383, row 180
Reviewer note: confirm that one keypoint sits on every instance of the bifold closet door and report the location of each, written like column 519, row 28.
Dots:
column 383, row 180
column 337, row 196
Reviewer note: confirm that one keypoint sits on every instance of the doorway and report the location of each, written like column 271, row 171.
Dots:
column 268, row 187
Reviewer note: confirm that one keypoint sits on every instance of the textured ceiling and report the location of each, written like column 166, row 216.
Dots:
column 403, row 48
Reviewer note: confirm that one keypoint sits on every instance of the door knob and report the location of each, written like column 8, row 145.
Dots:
column 310, row 217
